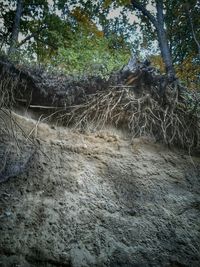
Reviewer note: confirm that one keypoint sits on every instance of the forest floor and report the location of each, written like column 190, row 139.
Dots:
column 100, row 199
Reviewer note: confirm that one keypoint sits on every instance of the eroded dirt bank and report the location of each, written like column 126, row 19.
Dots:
column 101, row 200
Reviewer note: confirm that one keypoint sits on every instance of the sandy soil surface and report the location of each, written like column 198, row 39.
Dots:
column 99, row 199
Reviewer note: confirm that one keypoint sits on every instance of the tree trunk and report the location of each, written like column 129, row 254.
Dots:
column 165, row 51
column 16, row 27
column 162, row 39
column 193, row 31
column 158, row 23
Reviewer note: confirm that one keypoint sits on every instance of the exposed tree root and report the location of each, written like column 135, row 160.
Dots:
column 173, row 123
column 140, row 100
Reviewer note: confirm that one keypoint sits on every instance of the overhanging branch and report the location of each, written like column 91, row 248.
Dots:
column 32, row 35
column 145, row 12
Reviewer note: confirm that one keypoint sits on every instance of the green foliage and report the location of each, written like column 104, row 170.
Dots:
column 90, row 54
column 77, row 36
column 182, row 20
column 69, row 39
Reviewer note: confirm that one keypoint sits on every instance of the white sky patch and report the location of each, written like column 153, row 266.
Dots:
column 115, row 13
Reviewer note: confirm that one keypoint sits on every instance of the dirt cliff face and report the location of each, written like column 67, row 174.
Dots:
column 101, row 199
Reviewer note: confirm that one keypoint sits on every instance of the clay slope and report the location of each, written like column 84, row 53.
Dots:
column 100, row 199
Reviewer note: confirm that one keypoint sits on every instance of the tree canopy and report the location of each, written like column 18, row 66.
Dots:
column 83, row 35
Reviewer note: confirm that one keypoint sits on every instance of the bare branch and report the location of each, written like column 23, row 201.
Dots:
column 145, row 12
column 32, row 35
column 160, row 15
column 193, row 31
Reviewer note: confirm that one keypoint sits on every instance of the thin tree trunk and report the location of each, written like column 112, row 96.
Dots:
column 193, row 31
column 16, row 27
column 158, row 23
column 3, row 39
column 162, row 39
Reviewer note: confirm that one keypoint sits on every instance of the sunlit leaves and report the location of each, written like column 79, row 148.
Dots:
column 157, row 62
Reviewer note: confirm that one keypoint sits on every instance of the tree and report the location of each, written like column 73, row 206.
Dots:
column 188, row 12
column 158, row 22
column 182, row 20
column 46, row 29
column 16, row 27
column 174, row 24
